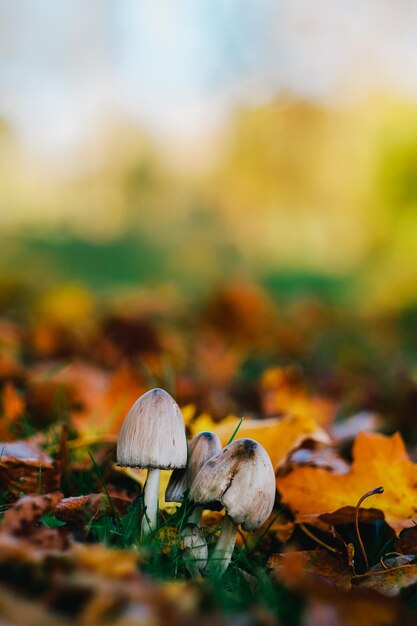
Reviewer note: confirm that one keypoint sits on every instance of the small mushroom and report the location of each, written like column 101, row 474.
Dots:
column 241, row 478
column 153, row 437
column 201, row 449
column 195, row 551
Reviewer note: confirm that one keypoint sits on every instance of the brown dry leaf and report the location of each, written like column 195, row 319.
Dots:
column 25, row 468
column 378, row 461
column 279, row 436
column 397, row 573
column 105, row 399
column 355, row 609
column 98, row 400
column 74, row 511
column 20, row 533
column 23, row 515
column 281, row 528
column 347, row 515
column 319, row 455
column 295, row 567
column 407, row 541
column 331, row 601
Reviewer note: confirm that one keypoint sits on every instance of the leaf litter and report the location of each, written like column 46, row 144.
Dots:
column 70, row 548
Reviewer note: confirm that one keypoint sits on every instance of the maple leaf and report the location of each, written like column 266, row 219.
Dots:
column 377, row 460
column 279, row 436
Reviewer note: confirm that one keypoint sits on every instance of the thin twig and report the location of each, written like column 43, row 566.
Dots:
column 389, row 569
column 317, row 540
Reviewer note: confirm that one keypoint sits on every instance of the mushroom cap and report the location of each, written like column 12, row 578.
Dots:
column 153, row 433
column 242, row 479
column 200, row 449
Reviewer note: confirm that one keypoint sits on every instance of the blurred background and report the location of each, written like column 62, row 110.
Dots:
column 242, row 160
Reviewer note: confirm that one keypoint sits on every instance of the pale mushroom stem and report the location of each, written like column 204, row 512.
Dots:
column 151, row 492
column 195, row 515
column 222, row 553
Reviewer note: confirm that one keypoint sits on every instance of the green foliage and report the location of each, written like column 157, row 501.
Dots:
column 51, row 521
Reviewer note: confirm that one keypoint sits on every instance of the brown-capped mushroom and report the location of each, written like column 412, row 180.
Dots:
column 241, row 478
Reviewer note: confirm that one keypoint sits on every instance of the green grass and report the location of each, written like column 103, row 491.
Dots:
column 246, row 584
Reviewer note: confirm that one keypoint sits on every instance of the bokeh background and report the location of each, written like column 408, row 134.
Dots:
column 250, row 163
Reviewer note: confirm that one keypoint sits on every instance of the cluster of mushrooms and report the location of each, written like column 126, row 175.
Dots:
column 239, row 478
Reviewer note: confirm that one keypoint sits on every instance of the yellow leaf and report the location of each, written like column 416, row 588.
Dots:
column 205, row 422
column 279, row 436
column 139, row 476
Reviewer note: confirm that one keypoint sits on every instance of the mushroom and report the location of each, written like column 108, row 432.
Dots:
column 241, row 478
column 201, row 448
column 153, row 437
column 195, row 551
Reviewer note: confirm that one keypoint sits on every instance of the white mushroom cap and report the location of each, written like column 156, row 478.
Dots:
column 200, row 449
column 153, row 433
column 242, row 479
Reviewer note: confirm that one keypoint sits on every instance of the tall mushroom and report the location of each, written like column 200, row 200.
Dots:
column 201, row 448
column 153, row 437
column 241, row 478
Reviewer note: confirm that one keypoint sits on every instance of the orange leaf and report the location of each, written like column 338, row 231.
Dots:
column 13, row 405
column 378, row 461
column 283, row 391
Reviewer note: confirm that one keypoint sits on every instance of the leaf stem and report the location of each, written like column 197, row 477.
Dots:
column 317, row 540
column 373, row 492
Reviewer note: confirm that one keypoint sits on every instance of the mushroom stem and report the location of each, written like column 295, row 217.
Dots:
column 151, row 492
column 223, row 551
column 195, row 515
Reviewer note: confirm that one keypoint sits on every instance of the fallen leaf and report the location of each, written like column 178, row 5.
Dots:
column 283, row 391
column 318, row 455
column 13, row 403
column 357, row 608
column 76, row 510
column 279, row 436
column 20, row 532
column 102, row 560
column 407, row 541
column 347, row 429
column 140, row 475
column 23, row 515
column 293, row 568
column 205, row 422
column 377, row 461
column 25, row 468
column 397, row 573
